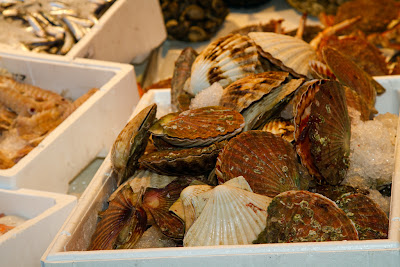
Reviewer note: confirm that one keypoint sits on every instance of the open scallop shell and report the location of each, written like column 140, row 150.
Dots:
column 302, row 216
column 231, row 216
column 199, row 127
column 370, row 220
column 288, row 53
column 225, row 60
column 267, row 162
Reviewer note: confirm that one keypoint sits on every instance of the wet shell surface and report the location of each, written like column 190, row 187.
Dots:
column 225, row 60
column 370, row 220
column 323, row 132
column 131, row 143
column 286, row 52
column 267, row 162
column 302, row 216
column 190, row 161
column 281, row 128
column 231, row 216
column 127, row 219
column 199, row 127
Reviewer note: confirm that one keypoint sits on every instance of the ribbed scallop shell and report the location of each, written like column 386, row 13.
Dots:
column 131, row 143
column 199, row 127
column 288, row 53
column 225, row 60
column 370, row 220
column 190, row 161
column 127, row 220
column 348, row 73
column 320, row 71
column 281, row 128
column 302, row 216
column 231, row 216
column 355, row 101
column 267, row 162
column 243, row 92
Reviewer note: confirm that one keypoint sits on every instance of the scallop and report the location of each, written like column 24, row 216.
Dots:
column 198, row 127
column 131, row 143
column 302, row 216
column 225, row 60
column 231, row 216
column 286, row 52
column 267, row 162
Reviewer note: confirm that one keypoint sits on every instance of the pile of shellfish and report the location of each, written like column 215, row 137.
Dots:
column 263, row 165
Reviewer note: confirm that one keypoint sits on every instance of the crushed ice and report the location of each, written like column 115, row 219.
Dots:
column 207, row 97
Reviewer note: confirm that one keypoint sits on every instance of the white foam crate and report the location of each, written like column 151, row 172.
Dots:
column 87, row 132
column 45, row 213
column 67, row 249
column 127, row 32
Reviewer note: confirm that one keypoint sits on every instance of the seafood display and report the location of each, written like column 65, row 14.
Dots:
column 49, row 26
column 27, row 115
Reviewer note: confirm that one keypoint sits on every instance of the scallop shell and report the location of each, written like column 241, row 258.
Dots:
column 322, row 131
column 131, row 143
column 355, row 101
column 302, row 216
column 348, row 73
column 158, row 201
column 231, row 216
column 320, row 71
column 190, row 161
column 267, row 162
column 225, row 60
column 370, row 220
column 199, row 127
column 334, row 192
column 281, row 128
column 288, row 53
column 125, row 217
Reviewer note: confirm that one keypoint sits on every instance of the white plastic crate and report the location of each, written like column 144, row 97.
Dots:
column 66, row 248
column 45, row 213
column 87, row 132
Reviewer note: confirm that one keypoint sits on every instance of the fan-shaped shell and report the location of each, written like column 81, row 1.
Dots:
column 225, row 60
column 355, row 101
column 231, row 216
column 302, row 216
column 189, row 161
column 370, row 220
column 281, row 128
column 323, row 131
column 199, row 127
column 267, row 162
column 131, row 143
column 286, row 52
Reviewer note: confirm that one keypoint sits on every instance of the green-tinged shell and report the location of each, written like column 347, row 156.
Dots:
column 302, row 216
column 370, row 220
column 121, row 224
column 242, row 93
column 280, row 127
column 189, row 161
column 131, row 143
column 229, row 216
column 158, row 201
column 267, row 162
column 348, row 73
column 323, row 131
column 225, row 60
column 199, row 127
column 334, row 192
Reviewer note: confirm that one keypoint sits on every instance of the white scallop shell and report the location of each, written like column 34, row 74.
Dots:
column 225, row 60
column 293, row 53
column 231, row 216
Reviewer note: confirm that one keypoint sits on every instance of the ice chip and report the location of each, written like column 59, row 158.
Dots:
column 207, row 97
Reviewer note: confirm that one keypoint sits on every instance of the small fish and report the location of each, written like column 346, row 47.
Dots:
column 38, row 29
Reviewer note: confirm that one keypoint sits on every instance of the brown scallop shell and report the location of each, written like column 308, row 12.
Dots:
column 323, row 137
column 131, row 143
column 189, row 161
column 348, row 73
column 280, row 127
column 121, row 224
column 199, row 127
column 355, row 101
column 370, row 220
column 157, row 201
column 334, row 192
column 302, row 216
column 267, row 162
